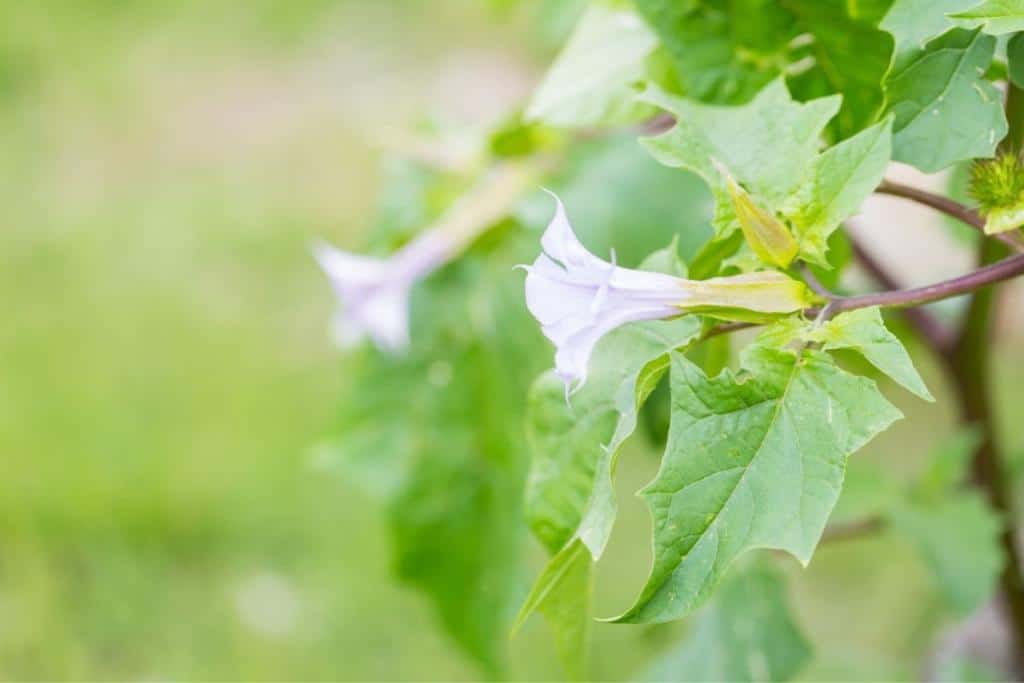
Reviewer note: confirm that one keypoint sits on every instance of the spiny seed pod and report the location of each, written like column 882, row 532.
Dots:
column 998, row 187
column 767, row 235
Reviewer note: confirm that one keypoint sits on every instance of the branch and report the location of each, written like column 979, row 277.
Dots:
column 949, row 207
column 997, row 272
column 928, row 327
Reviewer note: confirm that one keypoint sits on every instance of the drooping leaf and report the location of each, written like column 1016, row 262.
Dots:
column 1015, row 59
column 570, row 500
column 994, row 16
column 864, row 332
column 753, row 461
column 945, row 111
column 589, row 83
column 746, row 633
column 851, row 56
column 717, row 58
column 436, row 433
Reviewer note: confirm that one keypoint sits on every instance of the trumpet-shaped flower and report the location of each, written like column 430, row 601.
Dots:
column 578, row 298
column 374, row 293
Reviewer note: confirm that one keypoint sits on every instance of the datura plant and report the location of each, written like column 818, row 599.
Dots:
column 691, row 274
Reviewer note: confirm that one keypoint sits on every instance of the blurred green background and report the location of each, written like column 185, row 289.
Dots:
column 165, row 369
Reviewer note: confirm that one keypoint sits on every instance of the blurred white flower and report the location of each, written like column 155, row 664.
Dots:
column 374, row 293
column 578, row 298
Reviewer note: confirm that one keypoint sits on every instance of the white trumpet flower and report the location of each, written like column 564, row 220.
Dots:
column 578, row 298
column 374, row 293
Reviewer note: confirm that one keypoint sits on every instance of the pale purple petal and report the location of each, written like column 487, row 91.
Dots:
column 373, row 298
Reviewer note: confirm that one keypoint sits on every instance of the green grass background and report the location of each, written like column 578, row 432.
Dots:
column 165, row 369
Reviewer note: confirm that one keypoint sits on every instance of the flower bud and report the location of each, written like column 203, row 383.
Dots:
column 767, row 235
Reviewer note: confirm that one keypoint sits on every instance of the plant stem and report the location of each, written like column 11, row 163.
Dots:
column 964, row 214
column 997, row 272
column 931, row 330
column 968, row 365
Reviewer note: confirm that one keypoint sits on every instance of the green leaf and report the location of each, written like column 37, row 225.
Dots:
column 753, row 461
column 768, row 145
column 842, row 178
column 437, row 434
column 1015, row 59
column 590, row 81
column 746, row 633
column 994, row 16
column 562, row 593
column 570, row 500
column 945, row 111
column 570, row 493
column 958, row 536
column 913, row 23
column 717, row 58
column 851, row 56
column 864, row 331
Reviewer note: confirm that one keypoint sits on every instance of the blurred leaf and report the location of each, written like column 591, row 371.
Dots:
column 944, row 109
column 442, row 421
column 753, row 461
column 851, row 56
column 622, row 199
column 746, row 633
column 562, row 593
column 1015, row 59
column 994, row 16
column 954, row 529
column 718, row 57
column 913, row 23
column 589, row 83
column 959, row 539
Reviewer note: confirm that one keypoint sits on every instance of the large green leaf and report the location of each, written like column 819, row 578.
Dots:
column 590, row 81
column 753, row 461
column 746, row 633
column 945, row 111
column 994, row 16
column 719, row 58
